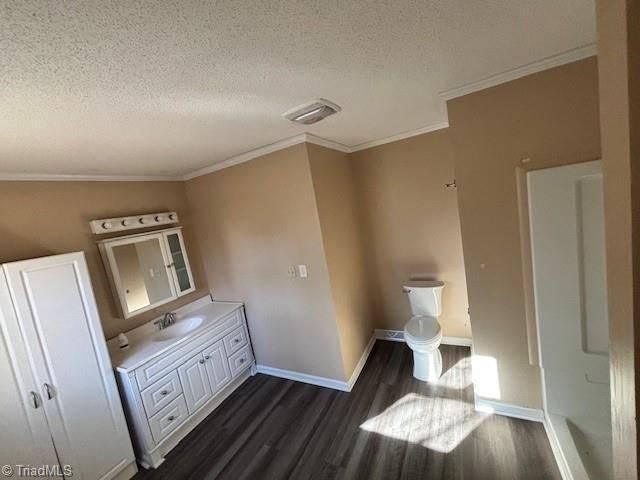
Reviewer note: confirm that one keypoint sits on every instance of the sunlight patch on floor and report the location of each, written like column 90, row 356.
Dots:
column 436, row 423
column 457, row 377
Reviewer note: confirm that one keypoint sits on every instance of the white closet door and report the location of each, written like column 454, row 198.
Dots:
column 61, row 326
column 24, row 437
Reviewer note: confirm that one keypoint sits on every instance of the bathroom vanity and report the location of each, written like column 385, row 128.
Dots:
column 171, row 379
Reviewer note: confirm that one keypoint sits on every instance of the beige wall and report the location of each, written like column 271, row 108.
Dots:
column 337, row 205
column 254, row 221
column 305, row 204
column 47, row 218
column 619, row 75
column 549, row 118
column 411, row 227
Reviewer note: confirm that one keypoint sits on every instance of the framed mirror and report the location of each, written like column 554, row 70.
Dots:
column 147, row 270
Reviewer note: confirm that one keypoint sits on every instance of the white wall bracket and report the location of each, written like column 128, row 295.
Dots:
column 107, row 225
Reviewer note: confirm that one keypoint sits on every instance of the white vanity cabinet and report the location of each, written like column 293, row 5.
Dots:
column 169, row 383
column 59, row 405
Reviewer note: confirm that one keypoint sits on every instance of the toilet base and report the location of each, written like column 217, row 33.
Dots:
column 427, row 365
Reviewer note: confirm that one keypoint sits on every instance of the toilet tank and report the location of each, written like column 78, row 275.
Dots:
column 425, row 297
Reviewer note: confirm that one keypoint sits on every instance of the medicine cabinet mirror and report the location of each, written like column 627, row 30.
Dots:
column 147, row 270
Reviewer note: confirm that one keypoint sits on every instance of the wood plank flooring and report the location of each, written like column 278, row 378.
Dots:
column 390, row 426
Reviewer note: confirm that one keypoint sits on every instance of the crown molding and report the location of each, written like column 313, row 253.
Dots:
column 528, row 69
column 246, row 156
column 400, row 136
column 323, row 142
column 54, row 177
column 308, row 138
column 272, row 147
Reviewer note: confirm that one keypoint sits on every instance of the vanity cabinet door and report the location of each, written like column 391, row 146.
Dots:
column 217, row 366
column 180, row 268
column 195, row 383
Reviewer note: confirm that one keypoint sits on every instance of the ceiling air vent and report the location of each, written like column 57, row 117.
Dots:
column 312, row 112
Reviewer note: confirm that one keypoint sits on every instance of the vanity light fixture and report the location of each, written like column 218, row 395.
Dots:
column 107, row 225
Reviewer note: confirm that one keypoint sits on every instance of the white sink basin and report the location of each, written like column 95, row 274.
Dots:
column 179, row 329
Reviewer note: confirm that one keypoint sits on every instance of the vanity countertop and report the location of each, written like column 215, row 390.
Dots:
column 147, row 342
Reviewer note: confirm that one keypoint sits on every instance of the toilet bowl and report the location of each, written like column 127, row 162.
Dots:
column 422, row 332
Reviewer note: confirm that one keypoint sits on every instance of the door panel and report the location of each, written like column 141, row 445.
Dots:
column 217, row 366
column 568, row 251
column 25, row 438
column 195, row 383
column 56, row 307
column 180, row 267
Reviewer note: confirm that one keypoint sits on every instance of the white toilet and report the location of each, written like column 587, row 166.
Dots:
column 423, row 333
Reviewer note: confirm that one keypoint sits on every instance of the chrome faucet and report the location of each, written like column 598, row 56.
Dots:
column 167, row 320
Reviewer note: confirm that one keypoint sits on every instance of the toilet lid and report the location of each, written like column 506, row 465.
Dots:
column 423, row 284
column 422, row 329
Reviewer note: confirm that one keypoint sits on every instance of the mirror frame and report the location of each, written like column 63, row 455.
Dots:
column 111, row 267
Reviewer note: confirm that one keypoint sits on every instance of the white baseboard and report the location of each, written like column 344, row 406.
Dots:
column 304, row 378
column 398, row 336
column 361, row 363
column 508, row 409
column 391, row 335
column 322, row 381
column 457, row 341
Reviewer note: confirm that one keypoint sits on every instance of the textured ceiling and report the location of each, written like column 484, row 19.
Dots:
column 167, row 87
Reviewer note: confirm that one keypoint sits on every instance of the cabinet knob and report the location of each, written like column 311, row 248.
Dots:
column 242, row 360
column 107, row 225
column 202, row 360
column 164, row 392
column 237, row 340
column 207, row 357
column 171, row 418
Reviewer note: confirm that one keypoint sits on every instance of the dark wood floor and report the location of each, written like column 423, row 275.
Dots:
column 390, row 426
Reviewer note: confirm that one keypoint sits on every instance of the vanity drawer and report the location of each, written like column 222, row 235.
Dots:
column 168, row 419
column 235, row 340
column 240, row 360
column 161, row 393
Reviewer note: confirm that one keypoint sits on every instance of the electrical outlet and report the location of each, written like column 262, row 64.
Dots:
column 302, row 270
